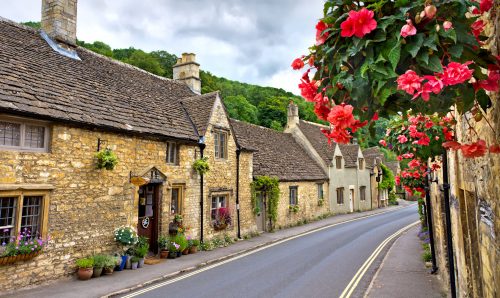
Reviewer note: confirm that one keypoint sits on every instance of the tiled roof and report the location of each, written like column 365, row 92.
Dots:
column 393, row 166
column 318, row 140
column 200, row 108
column 372, row 155
column 96, row 91
column 277, row 154
column 350, row 153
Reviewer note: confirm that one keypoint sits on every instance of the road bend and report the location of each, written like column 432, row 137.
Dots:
column 325, row 263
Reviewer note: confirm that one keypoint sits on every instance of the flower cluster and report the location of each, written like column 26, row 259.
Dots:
column 222, row 217
column 126, row 235
column 22, row 244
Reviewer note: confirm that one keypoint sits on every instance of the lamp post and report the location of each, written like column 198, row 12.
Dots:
column 379, row 176
column 429, row 218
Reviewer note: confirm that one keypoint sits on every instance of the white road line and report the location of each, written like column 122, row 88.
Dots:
column 162, row 284
column 361, row 272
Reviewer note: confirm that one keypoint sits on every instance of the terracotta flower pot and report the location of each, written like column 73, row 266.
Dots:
column 108, row 270
column 193, row 249
column 163, row 254
column 97, row 272
column 172, row 255
column 85, row 273
column 186, row 251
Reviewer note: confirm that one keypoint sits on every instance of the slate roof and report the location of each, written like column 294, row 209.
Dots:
column 350, row 153
column 96, row 91
column 200, row 109
column 318, row 140
column 372, row 155
column 393, row 166
column 277, row 154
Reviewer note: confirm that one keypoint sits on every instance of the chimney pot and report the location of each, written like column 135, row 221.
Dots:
column 188, row 71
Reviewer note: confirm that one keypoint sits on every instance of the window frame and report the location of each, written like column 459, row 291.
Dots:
column 22, row 134
column 226, row 204
column 180, row 199
column 338, row 162
column 219, row 143
column 362, row 193
column 320, row 190
column 361, row 163
column 176, row 153
column 295, row 198
column 340, row 199
column 18, row 212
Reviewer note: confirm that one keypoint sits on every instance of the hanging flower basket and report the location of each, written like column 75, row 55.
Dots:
column 12, row 259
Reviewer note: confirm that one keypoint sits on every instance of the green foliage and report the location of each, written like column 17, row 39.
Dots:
column 145, row 61
column 85, row 263
column 181, row 240
column 294, row 208
column 109, row 261
column 163, row 242
column 426, row 255
column 268, row 187
column 35, row 25
column 126, row 235
column 393, row 199
column 142, row 247
column 106, row 159
column 206, row 246
column 99, row 261
column 388, row 180
column 217, row 242
column 228, row 240
column 201, row 166
column 239, row 108
column 135, row 259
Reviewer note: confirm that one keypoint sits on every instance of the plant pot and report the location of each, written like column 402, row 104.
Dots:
column 97, row 272
column 85, row 273
column 172, row 255
column 128, row 265
column 134, row 265
column 108, row 270
column 141, row 263
column 193, row 249
column 163, row 254
column 122, row 264
column 13, row 259
column 179, row 254
column 186, row 251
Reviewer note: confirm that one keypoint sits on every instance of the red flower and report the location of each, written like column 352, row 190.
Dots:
column 297, row 64
column 485, row 5
column 433, row 85
column 383, row 143
column 414, row 163
column 375, row 116
column 491, row 83
column 456, row 73
column 408, row 29
column 452, row 145
column 409, row 82
column 477, row 27
column 357, row 124
column 321, row 36
column 495, row 148
column 402, row 139
column 435, row 166
column 476, row 149
column 321, row 108
column 398, row 180
column 424, row 140
column 341, row 116
column 311, row 61
column 359, row 23
column 408, row 155
column 308, row 90
column 340, row 136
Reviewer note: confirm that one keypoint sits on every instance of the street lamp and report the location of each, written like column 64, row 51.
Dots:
column 378, row 178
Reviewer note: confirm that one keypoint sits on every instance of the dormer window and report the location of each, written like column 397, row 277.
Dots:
column 361, row 163
column 338, row 162
column 23, row 135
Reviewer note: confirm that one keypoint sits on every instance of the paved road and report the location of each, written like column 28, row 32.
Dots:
column 319, row 264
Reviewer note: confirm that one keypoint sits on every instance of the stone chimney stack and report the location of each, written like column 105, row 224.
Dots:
column 293, row 115
column 188, row 71
column 59, row 20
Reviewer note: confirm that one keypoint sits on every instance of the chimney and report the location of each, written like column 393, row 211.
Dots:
column 59, row 20
column 293, row 115
column 188, row 71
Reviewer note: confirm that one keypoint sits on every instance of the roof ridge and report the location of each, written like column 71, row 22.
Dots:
column 260, row 126
column 200, row 95
column 18, row 25
column 314, row 123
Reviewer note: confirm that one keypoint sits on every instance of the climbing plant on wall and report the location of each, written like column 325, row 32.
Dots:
column 388, row 181
column 268, row 187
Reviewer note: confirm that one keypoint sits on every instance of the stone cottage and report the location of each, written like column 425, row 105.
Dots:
column 349, row 178
column 374, row 158
column 302, row 182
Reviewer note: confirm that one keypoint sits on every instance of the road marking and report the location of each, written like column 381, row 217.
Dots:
column 165, row 283
column 361, row 272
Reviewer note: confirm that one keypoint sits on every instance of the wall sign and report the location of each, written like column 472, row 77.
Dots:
column 145, row 222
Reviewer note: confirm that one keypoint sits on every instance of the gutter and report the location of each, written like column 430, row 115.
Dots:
column 238, row 152
column 202, row 146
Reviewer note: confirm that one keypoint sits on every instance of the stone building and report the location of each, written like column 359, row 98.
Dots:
column 302, row 182
column 349, row 178
column 374, row 158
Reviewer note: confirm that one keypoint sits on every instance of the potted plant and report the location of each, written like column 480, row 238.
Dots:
column 106, row 159
column 109, row 265
column 99, row 261
column 201, row 166
column 85, row 268
column 142, row 249
column 135, row 262
column 193, row 245
column 126, row 236
column 163, row 245
column 178, row 218
column 181, row 241
column 172, row 249
column 21, row 248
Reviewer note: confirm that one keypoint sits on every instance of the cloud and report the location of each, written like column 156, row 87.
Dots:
column 249, row 41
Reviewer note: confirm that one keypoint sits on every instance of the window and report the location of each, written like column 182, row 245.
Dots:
column 18, row 135
column 294, row 194
column 338, row 162
column 361, row 163
column 362, row 193
column 218, row 202
column 320, row 191
column 172, row 153
column 176, row 200
column 220, row 144
column 340, row 195
column 22, row 212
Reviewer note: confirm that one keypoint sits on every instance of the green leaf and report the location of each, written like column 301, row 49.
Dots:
column 423, row 58
column 394, row 55
column 456, row 50
column 434, row 64
column 483, row 99
column 451, row 34
column 414, row 44
column 431, row 41
column 384, row 95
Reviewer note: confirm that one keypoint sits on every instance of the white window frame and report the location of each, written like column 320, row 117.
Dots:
column 22, row 134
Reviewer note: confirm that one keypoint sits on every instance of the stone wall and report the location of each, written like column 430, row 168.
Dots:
column 86, row 204
column 307, row 200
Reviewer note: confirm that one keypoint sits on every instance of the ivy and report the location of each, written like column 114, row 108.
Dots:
column 268, row 188
column 388, row 180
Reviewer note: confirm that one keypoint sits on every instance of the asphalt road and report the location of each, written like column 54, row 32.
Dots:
column 319, row 264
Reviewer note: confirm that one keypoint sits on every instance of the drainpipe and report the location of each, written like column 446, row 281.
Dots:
column 446, row 189
column 429, row 221
column 201, row 144
column 238, row 152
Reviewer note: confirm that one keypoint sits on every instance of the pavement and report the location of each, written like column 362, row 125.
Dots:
column 130, row 280
column 403, row 274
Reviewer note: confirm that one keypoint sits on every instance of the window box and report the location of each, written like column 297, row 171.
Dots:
column 13, row 259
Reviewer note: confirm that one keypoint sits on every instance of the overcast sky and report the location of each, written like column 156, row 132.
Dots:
column 249, row 41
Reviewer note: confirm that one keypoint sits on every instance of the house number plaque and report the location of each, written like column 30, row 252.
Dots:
column 145, row 222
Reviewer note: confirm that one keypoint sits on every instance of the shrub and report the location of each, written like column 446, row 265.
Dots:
column 110, row 261
column 228, row 240
column 201, row 165
column 163, row 242
column 217, row 242
column 181, row 240
column 134, row 259
column 99, row 261
column 85, row 263
column 106, row 159
column 207, row 246
column 126, row 235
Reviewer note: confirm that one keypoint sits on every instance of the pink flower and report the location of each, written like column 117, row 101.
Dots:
column 477, row 27
column 433, row 85
column 408, row 29
column 359, row 23
column 297, row 64
column 383, row 143
column 476, row 149
column 321, row 36
column 308, row 90
column 414, row 163
column 447, row 25
column 341, row 116
column 340, row 136
column 456, row 73
column 409, row 82
column 430, row 11
column 402, row 139
column 485, row 5
column 452, row 145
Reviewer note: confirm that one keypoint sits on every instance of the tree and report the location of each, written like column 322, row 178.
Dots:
column 273, row 109
column 145, row 61
column 239, row 108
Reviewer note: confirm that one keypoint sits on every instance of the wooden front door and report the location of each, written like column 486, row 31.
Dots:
column 149, row 198
column 351, row 200
column 261, row 215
